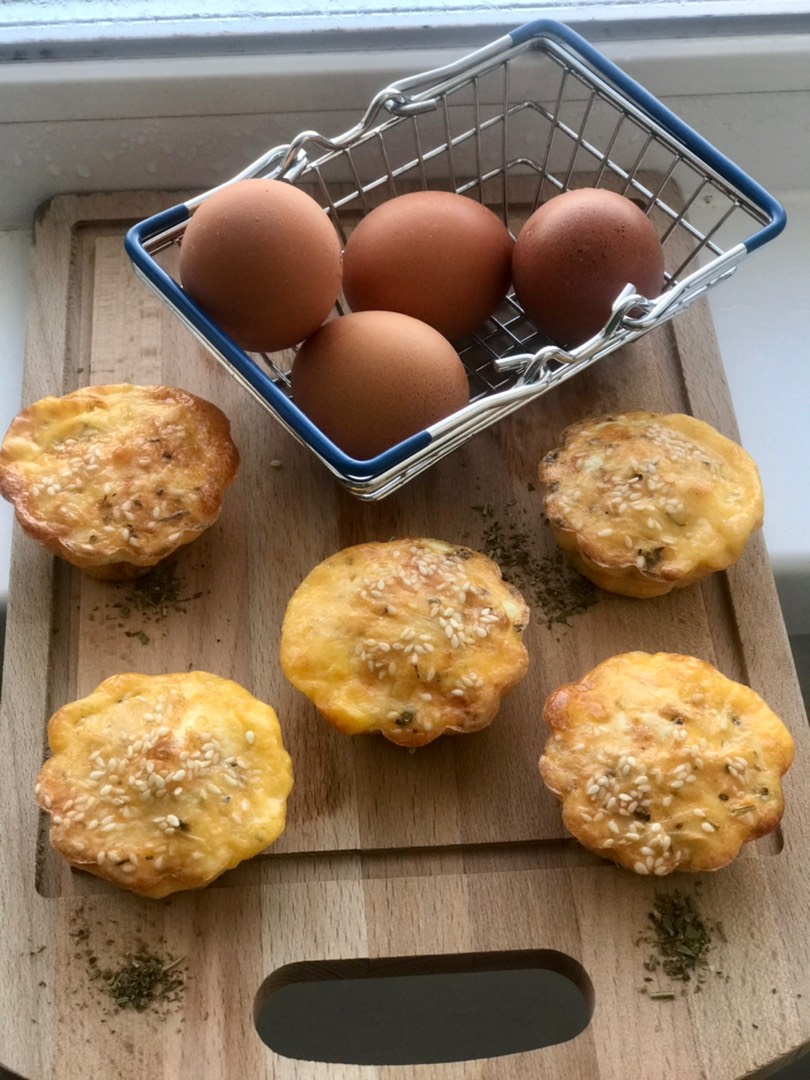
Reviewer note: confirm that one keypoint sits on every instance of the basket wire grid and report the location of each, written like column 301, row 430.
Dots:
column 533, row 114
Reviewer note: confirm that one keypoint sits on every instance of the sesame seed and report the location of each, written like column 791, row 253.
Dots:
column 640, row 868
column 173, row 820
column 250, row 737
column 708, row 827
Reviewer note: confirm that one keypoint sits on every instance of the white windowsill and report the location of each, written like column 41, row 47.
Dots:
column 54, row 29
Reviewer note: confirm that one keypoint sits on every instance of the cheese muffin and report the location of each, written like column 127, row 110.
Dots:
column 642, row 503
column 413, row 638
column 115, row 478
column 662, row 763
column 162, row 782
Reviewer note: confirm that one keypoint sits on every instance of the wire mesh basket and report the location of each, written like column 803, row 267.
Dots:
column 535, row 113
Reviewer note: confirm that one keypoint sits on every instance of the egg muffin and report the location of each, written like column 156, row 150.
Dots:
column 642, row 503
column 662, row 763
column 162, row 782
column 115, row 478
column 412, row 638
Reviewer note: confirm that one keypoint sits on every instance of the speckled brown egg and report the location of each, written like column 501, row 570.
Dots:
column 263, row 260
column 370, row 379
column 575, row 255
column 440, row 257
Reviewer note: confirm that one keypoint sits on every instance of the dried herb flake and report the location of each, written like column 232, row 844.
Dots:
column 143, row 980
column 681, row 937
column 549, row 581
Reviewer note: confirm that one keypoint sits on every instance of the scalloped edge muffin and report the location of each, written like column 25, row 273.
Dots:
column 642, row 503
column 662, row 763
column 115, row 478
column 159, row 783
column 412, row 638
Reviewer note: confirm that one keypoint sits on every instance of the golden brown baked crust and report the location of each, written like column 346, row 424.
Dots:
column 662, row 763
column 162, row 782
column 115, row 478
column 642, row 503
column 413, row 638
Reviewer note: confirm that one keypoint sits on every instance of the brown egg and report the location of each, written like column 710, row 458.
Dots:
column 575, row 255
column 263, row 260
column 371, row 379
column 440, row 257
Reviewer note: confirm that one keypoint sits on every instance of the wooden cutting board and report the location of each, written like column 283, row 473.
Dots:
column 460, row 837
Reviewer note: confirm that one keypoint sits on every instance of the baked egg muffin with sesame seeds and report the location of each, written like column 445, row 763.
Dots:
column 162, row 782
column 662, row 763
column 642, row 503
column 412, row 638
column 116, row 478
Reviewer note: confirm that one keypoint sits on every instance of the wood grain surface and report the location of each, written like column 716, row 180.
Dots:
column 461, row 835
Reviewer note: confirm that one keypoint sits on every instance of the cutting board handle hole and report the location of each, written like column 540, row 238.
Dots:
column 423, row 1009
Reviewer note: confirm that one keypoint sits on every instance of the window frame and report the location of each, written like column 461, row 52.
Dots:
column 83, row 29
